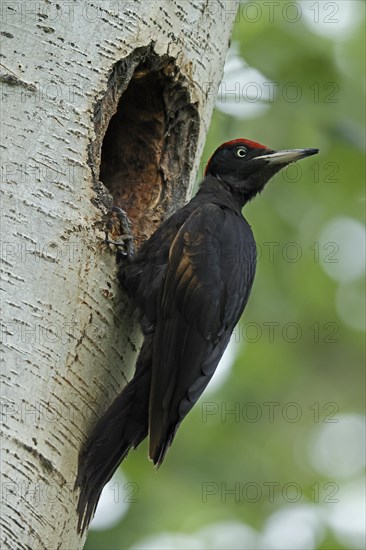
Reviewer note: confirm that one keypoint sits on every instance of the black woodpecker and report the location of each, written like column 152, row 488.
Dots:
column 190, row 283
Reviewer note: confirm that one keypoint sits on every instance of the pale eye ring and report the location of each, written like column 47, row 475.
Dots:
column 241, row 152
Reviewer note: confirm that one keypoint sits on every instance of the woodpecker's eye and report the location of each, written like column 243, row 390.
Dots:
column 241, row 152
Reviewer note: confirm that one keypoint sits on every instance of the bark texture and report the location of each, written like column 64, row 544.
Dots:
column 102, row 102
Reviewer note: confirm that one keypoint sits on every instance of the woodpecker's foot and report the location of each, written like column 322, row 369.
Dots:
column 119, row 227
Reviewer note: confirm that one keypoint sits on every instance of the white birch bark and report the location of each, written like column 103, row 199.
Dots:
column 68, row 340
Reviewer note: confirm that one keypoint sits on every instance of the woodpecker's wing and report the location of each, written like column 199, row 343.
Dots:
column 209, row 276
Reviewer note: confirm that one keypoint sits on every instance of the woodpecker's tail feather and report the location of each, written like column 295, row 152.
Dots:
column 122, row 427
column 159, row 448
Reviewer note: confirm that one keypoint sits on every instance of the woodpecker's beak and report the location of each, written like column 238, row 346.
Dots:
column 287, row 156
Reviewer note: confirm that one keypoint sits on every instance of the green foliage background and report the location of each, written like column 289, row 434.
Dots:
column 325, row 365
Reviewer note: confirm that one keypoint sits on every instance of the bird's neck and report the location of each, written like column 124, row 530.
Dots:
column 221, row 193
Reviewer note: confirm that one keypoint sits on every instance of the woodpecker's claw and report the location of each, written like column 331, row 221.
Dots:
column 119, row 227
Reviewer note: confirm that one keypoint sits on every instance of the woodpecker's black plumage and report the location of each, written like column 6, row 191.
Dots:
column 190, row 282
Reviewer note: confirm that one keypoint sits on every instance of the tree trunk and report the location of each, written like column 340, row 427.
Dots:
column 103, row 103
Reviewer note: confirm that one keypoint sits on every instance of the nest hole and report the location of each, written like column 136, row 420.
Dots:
column 147, row 130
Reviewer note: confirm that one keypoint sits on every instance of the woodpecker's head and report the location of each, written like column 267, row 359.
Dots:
column 245, row 166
